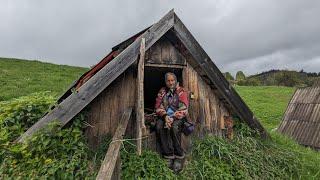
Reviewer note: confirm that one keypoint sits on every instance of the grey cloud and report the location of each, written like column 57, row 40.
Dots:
column 239, row 35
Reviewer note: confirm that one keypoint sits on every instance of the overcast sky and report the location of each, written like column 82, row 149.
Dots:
column 248, row 35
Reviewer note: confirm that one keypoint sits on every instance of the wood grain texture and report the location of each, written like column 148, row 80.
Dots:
column 301, row 120
column 164, row 53
column 109, row 163
column 74, row 103
column 140, row 98
column 206, row 110
column 105, row 110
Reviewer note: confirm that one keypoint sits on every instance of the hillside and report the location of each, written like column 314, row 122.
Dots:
column 281, row 78
column 21, row 77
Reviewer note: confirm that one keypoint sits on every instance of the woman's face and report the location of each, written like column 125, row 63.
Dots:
column 171, row 82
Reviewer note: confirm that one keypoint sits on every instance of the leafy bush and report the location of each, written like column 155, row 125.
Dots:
column 249, row 82
column 228, row 76
column 17, row 115
column 147, row 166
column 51, row 152
column 240, row 76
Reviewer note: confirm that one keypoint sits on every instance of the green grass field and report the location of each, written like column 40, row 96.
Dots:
column 268, row 103
column 21, row 77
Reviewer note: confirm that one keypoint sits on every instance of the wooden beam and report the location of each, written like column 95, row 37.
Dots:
column 74, row 103
column 211, row 70
column 165, row 65
column 109, row 163
column 140, row 98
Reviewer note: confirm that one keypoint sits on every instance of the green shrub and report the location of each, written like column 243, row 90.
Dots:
column 249, row 82
column 228, row 76
column 147, row 166
column 240, row 76
column 52, row 152
column 17, row 115
column 49, row 153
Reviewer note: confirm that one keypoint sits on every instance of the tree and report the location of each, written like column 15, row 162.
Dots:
column 240, row 76
column 228, row 76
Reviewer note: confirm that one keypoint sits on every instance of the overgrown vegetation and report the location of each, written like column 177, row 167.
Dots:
column 21, row 77
column 51, row 152
column 147, row 166
column 245, row 157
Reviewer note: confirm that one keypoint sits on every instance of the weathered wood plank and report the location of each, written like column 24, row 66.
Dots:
column 164, row 52
column 74, row 103
column 216, row 76
column 109, row 162
column 105, row 110
column 165, row 65
column 140, row 98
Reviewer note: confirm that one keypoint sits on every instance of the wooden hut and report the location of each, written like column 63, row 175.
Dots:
column 301, row 120
column 316, row 83
column 129, row 77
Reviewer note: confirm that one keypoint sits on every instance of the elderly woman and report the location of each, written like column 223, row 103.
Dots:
column 172, row 107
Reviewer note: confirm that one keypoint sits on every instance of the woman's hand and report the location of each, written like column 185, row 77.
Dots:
column 169, row 122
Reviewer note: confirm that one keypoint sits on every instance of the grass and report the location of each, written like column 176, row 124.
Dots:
column 268, row 103
column 20, row 77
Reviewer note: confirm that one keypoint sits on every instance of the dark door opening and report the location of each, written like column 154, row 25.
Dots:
column 153, row 81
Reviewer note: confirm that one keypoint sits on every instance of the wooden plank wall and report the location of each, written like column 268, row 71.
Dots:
column 301, row 120
column 206, row 110
column 107, row 108
column 163, row 52
column 316, row 83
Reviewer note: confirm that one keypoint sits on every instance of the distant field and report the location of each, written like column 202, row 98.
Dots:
column 267, row 102
column 21, row 77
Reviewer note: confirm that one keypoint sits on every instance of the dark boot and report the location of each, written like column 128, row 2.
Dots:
column 169, row 163
column 177, row 165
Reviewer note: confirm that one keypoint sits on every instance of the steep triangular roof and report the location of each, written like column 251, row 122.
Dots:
column 70, row 104
column 301, row 121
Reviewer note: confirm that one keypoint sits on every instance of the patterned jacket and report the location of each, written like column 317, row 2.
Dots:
column 176, row 100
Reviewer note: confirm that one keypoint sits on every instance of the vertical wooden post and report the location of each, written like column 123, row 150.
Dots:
column 112, row 156
column 140, row 98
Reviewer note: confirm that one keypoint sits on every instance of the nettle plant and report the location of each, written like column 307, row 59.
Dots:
column 17, row 115
column 52, row 152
